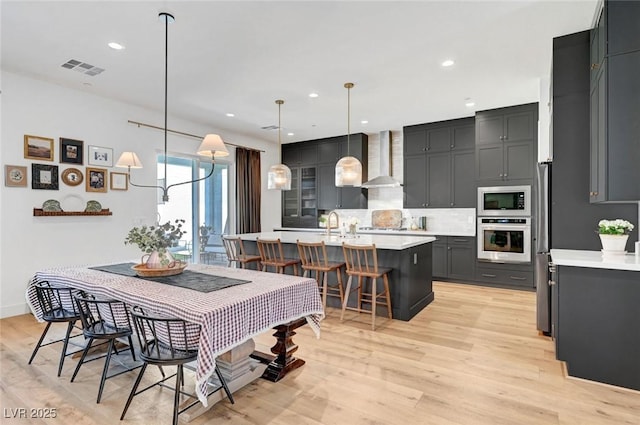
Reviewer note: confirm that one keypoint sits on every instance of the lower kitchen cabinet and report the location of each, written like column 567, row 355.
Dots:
column 519, row 275
column 454, row 257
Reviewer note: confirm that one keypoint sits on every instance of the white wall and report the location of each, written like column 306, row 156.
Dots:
column 31, row 243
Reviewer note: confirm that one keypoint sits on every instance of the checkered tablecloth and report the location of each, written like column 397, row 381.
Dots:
column 227, row 317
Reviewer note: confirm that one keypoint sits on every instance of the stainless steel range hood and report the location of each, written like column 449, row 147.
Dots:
column 384, row 179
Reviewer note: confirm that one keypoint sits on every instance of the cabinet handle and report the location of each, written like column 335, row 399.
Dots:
column 552, row 282
column 505, row 175
column 452, row 146
column 500, row 174
column 460, row 240
column 517, row 278
column 595, row 66
column 488, row 275
column 452, row 204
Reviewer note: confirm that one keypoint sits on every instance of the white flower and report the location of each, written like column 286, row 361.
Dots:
column 352, row 221
column 614, row 227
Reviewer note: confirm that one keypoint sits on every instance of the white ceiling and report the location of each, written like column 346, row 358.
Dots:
column 241, row 56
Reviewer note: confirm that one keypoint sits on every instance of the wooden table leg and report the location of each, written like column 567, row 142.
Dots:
column 283, row 362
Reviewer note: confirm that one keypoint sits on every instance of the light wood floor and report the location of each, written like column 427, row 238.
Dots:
column 472, row 357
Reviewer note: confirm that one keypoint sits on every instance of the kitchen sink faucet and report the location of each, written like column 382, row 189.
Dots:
column 329, row 221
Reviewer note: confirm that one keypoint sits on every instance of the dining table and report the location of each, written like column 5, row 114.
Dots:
column 230, row 305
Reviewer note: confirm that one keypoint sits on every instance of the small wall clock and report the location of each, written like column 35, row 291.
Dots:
column 72, row 177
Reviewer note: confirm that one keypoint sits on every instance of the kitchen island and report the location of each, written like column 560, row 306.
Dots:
column 409, row 256
column 595, row 319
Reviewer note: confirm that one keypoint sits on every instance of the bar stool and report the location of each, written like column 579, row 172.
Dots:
column 271, row 254
column 362, row 262
column 236, row 253
column 313, row 256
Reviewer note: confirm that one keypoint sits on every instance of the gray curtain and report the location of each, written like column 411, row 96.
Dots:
column 248, row 190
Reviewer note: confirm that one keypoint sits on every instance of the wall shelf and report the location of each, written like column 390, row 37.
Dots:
column 39, row 212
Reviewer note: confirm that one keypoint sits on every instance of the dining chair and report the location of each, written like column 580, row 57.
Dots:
column 236, row 253
column 168, row 341
column 105, row 320
column 362, row 263
column 57, row 306
column 313, row 256
column 272, row 255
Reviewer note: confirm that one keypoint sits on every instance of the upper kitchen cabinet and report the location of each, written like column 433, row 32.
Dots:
column 439, row 164
column 506, row 143
column 295, row 154
column 615, row 102
column 329, row 152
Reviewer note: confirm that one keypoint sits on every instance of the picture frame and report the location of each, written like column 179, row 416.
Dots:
column 98, row 155
column 15, row 176
column 44, row 176
column 36, row 147
column 71, row 151
column 119, row 181
column 72, row 177
column 96, row 179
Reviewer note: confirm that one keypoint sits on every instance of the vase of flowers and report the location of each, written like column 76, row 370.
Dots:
column 613, row 236
column 154, row 242
column 352, row 222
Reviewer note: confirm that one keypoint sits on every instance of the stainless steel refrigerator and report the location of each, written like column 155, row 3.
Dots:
column 543, row 246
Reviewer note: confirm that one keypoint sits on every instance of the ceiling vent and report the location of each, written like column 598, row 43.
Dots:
column 82, row 67
column 270, row 127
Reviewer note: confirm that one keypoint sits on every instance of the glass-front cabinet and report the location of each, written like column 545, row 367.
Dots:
column 300, row 203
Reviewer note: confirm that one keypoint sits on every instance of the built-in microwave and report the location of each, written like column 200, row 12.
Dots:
column 504, row 201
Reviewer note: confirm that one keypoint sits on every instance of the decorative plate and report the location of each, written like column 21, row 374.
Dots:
column 72, row 177
column 16, row 175
column 93, row 206
column 51, row 205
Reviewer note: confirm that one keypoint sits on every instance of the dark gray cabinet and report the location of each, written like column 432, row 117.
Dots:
column 454, row 257
column 295, row 154
column 329, row 153
column 438, row 165
column 614, row 103
column 506, row 143
column 299, row 205
column 512, row 275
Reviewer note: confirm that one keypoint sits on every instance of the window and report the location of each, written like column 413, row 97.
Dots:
column 203, row 205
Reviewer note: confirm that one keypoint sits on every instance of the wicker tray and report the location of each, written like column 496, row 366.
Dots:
column 143, row 271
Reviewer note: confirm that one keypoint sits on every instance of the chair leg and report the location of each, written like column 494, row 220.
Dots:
column 361, row 282
column 176, row 396
column 84, row 354
column 64, row 346
column 132, row 348
column 44, row 333
column 386, row 288
column 224, row 385
column 346, row 298
column 339, row 273
column 105, row 369
column 133, row 390
column 374, row 301
column 325, row 277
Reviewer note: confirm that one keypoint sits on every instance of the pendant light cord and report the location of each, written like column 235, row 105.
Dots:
column 279, row 102
column 348, row 86
column 166, row 85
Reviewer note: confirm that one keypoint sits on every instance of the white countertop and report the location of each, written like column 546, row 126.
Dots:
column 379, row 232
column 384, row 241
column 595, row 260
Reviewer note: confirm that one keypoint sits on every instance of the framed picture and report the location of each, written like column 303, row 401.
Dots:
column 15, row 176
column 36, row 147
column 71, row 151
column 72, row 177
column 44, row 176
column 96, row 179
column 119, row 181
column 100, row 156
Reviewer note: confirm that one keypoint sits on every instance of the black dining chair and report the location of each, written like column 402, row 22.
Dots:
column 57, row 306
column 166, row 341
column 106, row 320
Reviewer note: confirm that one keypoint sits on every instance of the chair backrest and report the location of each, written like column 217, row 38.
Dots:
column 360, row 258
column 313, row 254
column 164, row 338
column 270, row 250
column 233, row 247
column 55, row 298
column 103, row 316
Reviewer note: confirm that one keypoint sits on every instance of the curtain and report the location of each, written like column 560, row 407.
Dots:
column 248, row 190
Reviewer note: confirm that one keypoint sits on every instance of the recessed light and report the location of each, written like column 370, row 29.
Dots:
column 469, row 104
column 364, row 122
column 448, row 62
column 229, row 114
column 313, row 95
column 87, row 84
column 116, row 46
column 289, row 134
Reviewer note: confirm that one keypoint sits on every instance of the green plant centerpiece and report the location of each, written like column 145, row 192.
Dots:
column 613, row 236
column 154, row 241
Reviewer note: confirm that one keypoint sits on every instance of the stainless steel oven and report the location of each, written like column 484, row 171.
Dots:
column 504, row 239
column 505, row 201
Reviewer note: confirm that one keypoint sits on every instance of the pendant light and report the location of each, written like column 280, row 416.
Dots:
column 348, row 168
column 279, row 176
column 212, row 146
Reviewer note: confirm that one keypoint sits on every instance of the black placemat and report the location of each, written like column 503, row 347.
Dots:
column 200, row 282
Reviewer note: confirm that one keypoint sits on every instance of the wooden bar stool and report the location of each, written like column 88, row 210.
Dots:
column 236, row 254
column 271, row 254
column 314, row 258
column 362, row 262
